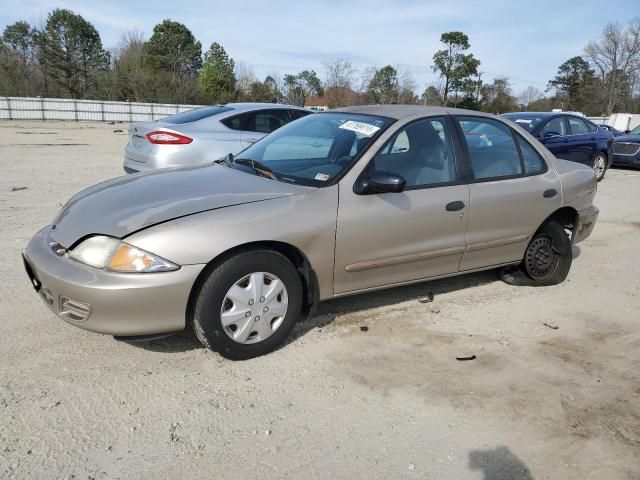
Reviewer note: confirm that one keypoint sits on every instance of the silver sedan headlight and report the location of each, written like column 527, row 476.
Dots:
column 112, row 254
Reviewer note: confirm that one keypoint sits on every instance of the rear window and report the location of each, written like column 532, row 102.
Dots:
column 195, row 114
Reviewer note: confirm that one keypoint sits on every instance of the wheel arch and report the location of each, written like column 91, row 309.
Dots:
column 308, row 277
column 566, row 216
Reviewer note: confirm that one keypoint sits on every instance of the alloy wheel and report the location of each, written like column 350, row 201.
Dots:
column 599, row 165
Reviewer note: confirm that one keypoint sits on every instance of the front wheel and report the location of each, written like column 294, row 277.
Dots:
column 248, row 304
column 548, row 257
column 599, row 165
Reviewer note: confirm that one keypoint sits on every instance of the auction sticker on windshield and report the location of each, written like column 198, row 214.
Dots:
column 360, row 127
column 322, row 176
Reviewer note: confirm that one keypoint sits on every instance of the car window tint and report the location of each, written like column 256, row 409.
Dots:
column 267, row 121
column 554, row 126
column 296, row 114
column 236, row 123
column 492, row 150
column 533, row 162
column 591, row 126
column 421, row 153
column 577, row 126
column 195, row 114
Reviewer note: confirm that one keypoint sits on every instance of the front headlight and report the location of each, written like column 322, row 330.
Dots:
column 112, row 254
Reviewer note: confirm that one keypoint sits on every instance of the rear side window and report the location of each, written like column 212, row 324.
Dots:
column 195, row 114
column 236, row 123
column 296, row 114
column 533, row 162
column 577, row 126
column 492, row 149
column 555, row 126
column 267, row 121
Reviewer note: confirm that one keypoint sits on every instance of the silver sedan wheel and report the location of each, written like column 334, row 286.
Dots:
column 254, row 308
column 599, row 165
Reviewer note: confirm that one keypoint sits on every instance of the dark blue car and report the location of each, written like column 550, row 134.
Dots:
column 569, row 137
column 626, row 149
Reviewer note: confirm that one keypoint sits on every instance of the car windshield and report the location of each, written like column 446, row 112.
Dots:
column 528, row 122
column 314, row 150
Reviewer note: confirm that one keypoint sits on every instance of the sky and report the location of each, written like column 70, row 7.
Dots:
column 523, row 40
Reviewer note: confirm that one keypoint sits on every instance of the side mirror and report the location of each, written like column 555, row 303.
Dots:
column 627, row 132
column 380, row 182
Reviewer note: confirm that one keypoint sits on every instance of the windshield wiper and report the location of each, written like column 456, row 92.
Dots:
column 259, row 167
column 255, row 164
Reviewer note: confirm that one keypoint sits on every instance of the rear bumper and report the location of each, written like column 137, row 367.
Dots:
column 585, row 225
column 109, row 302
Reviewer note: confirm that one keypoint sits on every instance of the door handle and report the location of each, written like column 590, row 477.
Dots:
column 552, row 192
column 455, row 206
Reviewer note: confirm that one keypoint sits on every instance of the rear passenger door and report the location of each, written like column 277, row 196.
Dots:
column 511, row 192
column 582, row 142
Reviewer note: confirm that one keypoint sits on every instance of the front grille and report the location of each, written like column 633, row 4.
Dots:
column 622, row 148
column 73, row 310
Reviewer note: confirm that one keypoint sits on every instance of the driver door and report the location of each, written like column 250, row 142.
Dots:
column 392, row 238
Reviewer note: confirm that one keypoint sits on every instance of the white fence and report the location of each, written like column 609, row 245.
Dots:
column 30, row 108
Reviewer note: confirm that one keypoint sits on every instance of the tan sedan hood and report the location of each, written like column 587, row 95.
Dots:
column 124, row 205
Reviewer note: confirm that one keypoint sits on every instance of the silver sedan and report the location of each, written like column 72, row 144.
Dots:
column 330, row 205
column 203, row 135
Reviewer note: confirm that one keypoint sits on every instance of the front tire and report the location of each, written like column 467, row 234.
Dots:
column 248, row 304
column 548, row 257
column 599, row 165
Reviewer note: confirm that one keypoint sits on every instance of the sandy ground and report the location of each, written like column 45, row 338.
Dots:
column 335, row 402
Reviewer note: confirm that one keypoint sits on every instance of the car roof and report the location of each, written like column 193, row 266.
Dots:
column 243, row 107
column 536, row 114
column 402, row 111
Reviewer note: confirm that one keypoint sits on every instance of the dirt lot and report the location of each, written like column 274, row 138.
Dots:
column 335, row 402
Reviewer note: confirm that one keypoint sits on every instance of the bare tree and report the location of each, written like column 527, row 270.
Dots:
column 245, row 77
column 616, row 57
column 339, row 77
column 529, row 95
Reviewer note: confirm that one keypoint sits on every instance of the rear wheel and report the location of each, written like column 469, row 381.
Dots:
column 548, row 257
column 599, row 165
column 248, row 304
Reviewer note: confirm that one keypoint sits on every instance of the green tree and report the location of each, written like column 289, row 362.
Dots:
column 17, row 56
column 217, row 79
column 453, row 64
column 497, row 97
column 301, row 86
column 71, row 51
column 266, row 91
column 575, row 81
column 383, row 86
column 173, row 48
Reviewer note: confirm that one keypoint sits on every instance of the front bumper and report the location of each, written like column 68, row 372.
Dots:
column 585, row 224
column 126, row 304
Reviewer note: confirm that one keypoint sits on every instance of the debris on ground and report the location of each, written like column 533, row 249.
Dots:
column 464, row 358
column 412, row 467
column 551, row 326
column 364, row 328
column 117, row 131
column 435, row 310
column 427, row 299
column 17, row 189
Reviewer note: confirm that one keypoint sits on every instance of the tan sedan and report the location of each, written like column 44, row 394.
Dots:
column 333, row 204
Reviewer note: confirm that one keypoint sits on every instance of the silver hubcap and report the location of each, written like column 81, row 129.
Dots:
column 254, row 307
column 599, row 166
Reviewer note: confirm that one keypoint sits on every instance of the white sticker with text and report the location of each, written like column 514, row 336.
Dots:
column 322, row 176
column 360, row 127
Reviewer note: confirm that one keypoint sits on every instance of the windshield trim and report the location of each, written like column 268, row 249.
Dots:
column 307, row 182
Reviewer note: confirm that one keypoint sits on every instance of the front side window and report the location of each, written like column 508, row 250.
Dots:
column 421, row 153
column 577, row 126
column 555, row 126
column 492, row 149
column 316, row 149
